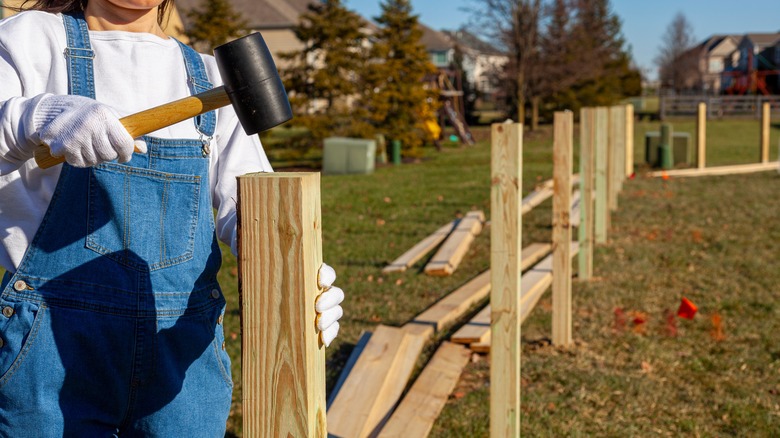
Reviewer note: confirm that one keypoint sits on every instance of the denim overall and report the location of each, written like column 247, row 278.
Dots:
column 112, row 324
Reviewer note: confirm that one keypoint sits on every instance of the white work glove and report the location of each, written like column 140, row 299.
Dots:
column 327, row 305
column 84, row 131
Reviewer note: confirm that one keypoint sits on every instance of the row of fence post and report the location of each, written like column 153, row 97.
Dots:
column 283, row 360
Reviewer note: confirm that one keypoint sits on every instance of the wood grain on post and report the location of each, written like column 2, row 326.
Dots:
column 765, row 119
column 505, row 250
column 563, row 139
column 587, row 162
column 629, row 140
column 280, row 252
column 701, row 136
column 601, row 209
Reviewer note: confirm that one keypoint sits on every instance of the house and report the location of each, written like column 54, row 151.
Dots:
column 712, row 55
column 440, row 48
column 275, row 19
column 482, row 63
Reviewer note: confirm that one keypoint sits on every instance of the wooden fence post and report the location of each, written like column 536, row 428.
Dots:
column 280, row 252
column 629, row 140
column 587, row 162
column 505, row 248
column 765, row 119
column 561, row 237
column 701, row 136
column 601, row 209
column 615, row 163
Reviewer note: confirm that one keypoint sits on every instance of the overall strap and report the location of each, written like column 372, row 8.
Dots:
column 198, row 81
column 79, row 55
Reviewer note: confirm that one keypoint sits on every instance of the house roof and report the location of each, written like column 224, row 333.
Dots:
column 259, row 14
column 762, row 40
column 434, row 41
column 468, row 40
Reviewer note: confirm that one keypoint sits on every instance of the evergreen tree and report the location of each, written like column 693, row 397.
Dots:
column 397, row 100
column 213, row 23
column 558, row 57
column 601, row 54
column 325, row 75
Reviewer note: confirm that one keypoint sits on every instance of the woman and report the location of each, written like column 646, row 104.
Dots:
column 111, row 315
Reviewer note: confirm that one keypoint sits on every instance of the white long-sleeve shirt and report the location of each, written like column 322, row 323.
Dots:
column 133, row 72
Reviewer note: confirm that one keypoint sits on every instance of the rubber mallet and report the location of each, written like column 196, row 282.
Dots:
column 251, row 83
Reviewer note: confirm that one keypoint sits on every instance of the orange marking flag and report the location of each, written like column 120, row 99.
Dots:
column 687, row 309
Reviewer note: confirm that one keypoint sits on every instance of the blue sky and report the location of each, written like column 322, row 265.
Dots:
column 644, row 21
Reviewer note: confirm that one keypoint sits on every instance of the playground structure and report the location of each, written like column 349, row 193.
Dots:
column 279, row 242
column 452, row 107
column 753, row 80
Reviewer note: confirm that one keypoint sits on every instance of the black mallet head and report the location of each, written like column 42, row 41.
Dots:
column 253, row 84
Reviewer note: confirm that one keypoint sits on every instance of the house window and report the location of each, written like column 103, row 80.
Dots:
column 439, row 58
column 716, row 65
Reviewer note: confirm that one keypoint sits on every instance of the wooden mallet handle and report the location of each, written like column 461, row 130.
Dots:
column 150, row 120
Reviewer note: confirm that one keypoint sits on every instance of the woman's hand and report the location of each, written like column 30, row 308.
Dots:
column 84, row 131
column 327, row 305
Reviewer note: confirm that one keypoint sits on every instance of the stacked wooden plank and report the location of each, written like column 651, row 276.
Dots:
column 449, row 256
column 375, row 383
column 378, row 370
column 455, row 305
column 418, row 251
column 419, row 409
column 476, row 333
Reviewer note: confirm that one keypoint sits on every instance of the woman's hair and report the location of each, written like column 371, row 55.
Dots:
column 56, row 6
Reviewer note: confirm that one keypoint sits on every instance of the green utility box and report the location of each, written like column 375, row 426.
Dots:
column 681, row 148
column 348, row 155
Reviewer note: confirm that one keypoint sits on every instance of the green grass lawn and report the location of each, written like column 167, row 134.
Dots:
column 697, row 237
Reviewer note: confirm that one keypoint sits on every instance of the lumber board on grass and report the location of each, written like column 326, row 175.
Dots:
column 535, row 198
column 719, row 170
column 457, row 303
column 576, row 201
column 419, row 409
column 353, row 357
column 537, row 281
column 477, row 331
column 481, row 347
column 418, row 251
column 474, row 330
column 279, row 252
column 455, row 247
column 375, row 383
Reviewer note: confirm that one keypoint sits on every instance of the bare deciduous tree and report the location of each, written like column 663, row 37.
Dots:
column 515, row 24
column 676, row 64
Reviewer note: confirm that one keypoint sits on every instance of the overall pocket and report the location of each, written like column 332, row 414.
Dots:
column 141, row 218
column 19, row 323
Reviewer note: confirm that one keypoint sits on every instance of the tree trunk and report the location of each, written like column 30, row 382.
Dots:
column 521, row 97
column 534, row 113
